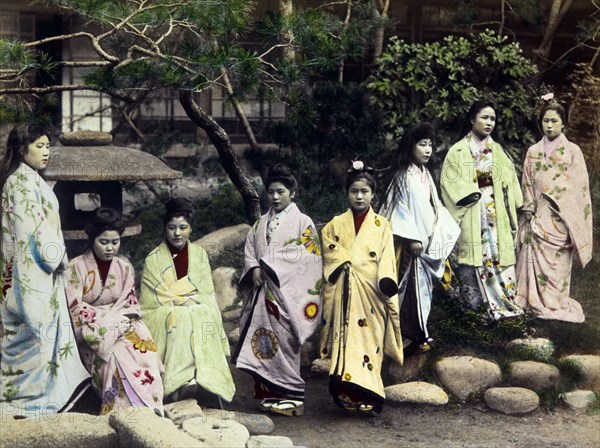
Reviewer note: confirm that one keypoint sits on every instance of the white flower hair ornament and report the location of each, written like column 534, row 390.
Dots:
column 548, row 96
column 358, row 165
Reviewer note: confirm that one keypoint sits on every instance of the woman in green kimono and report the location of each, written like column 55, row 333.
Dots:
column 180, row 309
column 481, row 191
column 40, row 367
column 360, row 308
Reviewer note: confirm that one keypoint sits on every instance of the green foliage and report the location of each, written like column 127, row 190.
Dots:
column 438, row 81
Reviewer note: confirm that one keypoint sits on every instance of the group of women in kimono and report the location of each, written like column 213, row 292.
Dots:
column 366, row 283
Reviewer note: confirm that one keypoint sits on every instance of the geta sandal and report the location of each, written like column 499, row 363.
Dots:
column 291, row 408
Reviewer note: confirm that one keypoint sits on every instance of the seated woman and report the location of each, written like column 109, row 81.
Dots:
column 178, row 304
column 115, row 345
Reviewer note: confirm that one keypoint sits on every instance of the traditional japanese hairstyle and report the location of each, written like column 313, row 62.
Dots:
column 475, row 108
column 179, row 207
column 550, row 103
column 103, row 219
column 282, row 173
column 359, row 170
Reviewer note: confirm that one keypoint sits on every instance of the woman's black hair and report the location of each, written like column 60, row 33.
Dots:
column 17, row 145
column 475, row 108
column 282, row 173
column 103, row 219
column 557, row 107
column 177, row 207
column 358, row 171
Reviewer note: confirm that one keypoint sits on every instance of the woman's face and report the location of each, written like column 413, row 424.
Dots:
column 422, row 151
column 279, row 196
column 38, row 153
column 360, row 196
column 177, row 232
column 107, row 245
column 552, row 124
column 484, row 123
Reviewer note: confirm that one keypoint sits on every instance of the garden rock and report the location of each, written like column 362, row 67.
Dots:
column 231, row 315
column 418, row 392
column 57, row 431
column 227, row 237
column 225, row 282
column 270, row 442
column 466, row 375
column 511, row 400
column 409, row 371
column 142, row 428
column 579, row 399
column 538, row 347
column 533, row 375
column 590, row 367
column 256, row 424
column 180, row 411
column 234, row 336
column 321, row 366
column 217, row 432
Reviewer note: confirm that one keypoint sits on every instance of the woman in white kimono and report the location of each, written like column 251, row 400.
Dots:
column 360, row 309
column 115, row 344
column 41, row 369
column 282, row 263
column 480, row 188
column 424, row 232
column 180, row 308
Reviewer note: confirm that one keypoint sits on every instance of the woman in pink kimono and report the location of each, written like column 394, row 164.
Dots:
column 282, row 263
column 115, row 344
column 556, row 221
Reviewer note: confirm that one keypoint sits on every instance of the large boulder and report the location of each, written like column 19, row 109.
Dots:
column 183, row 410
column 590, row 367
column 536, row 347
column 256, row 424
column 533, row 375
column 466, row 375
column 409, row 371
column 417, row 392
column 225, row 281
column 579, row 399
column 57, row 431
column 214, row 243
column 511, row 400
column 142, row 428
column 217, row 432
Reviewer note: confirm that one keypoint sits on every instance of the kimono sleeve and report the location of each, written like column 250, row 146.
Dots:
column 402, row 219
column 35, row 237
column 334, row 254
column 202, row 275
column 154, row 291
column 74, row 292
column 386, row 270
column 457, row 183
column 528, row 183
column 250, row 256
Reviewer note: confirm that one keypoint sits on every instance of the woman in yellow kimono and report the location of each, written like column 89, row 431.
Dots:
column 360, row 309
column 179, row 306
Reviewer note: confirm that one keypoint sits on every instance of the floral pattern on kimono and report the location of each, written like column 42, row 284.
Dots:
column 556, row 191
column 361, row 319
column 116, row 346
column 185, row 320
column 285, row 311
column 41, row 368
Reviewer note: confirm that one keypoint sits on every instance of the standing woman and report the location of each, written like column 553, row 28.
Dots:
column 482, row 193
column 115, row 344
column 360, row 314
column 423, row 230
column 556, row 221
column 282, row 263
column 179, row 305
column 41, row 369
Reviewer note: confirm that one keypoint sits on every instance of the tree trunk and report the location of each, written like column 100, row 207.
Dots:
column 239, row 111
column 557, row 12
column 380, row 12
column 227, row 156
column 286, row 7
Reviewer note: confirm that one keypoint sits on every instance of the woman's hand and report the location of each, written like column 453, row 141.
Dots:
column 415, row 248
column 258, row 277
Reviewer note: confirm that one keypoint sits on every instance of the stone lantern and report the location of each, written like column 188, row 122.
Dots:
column 86, row 166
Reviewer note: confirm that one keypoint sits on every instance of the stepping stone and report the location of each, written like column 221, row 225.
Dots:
column 418, row 392
column 539, row 347
column 216, row 432
column 321, row 366
column 270, row 442
column 590, row 367
column 256, row 424
column 579, row 399
column 180, row 411
column 511, row 400
column 466, row 375
column 533, row 375
column 409, row 371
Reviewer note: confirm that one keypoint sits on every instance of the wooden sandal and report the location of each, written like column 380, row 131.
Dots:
column 291, row 408
column 266, row 404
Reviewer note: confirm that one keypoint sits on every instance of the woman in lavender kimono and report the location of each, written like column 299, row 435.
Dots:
column 424, row 232
column 115, row 344
column 283, row 265
column 556, row 221
column 41, row 372
column 481, row 191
